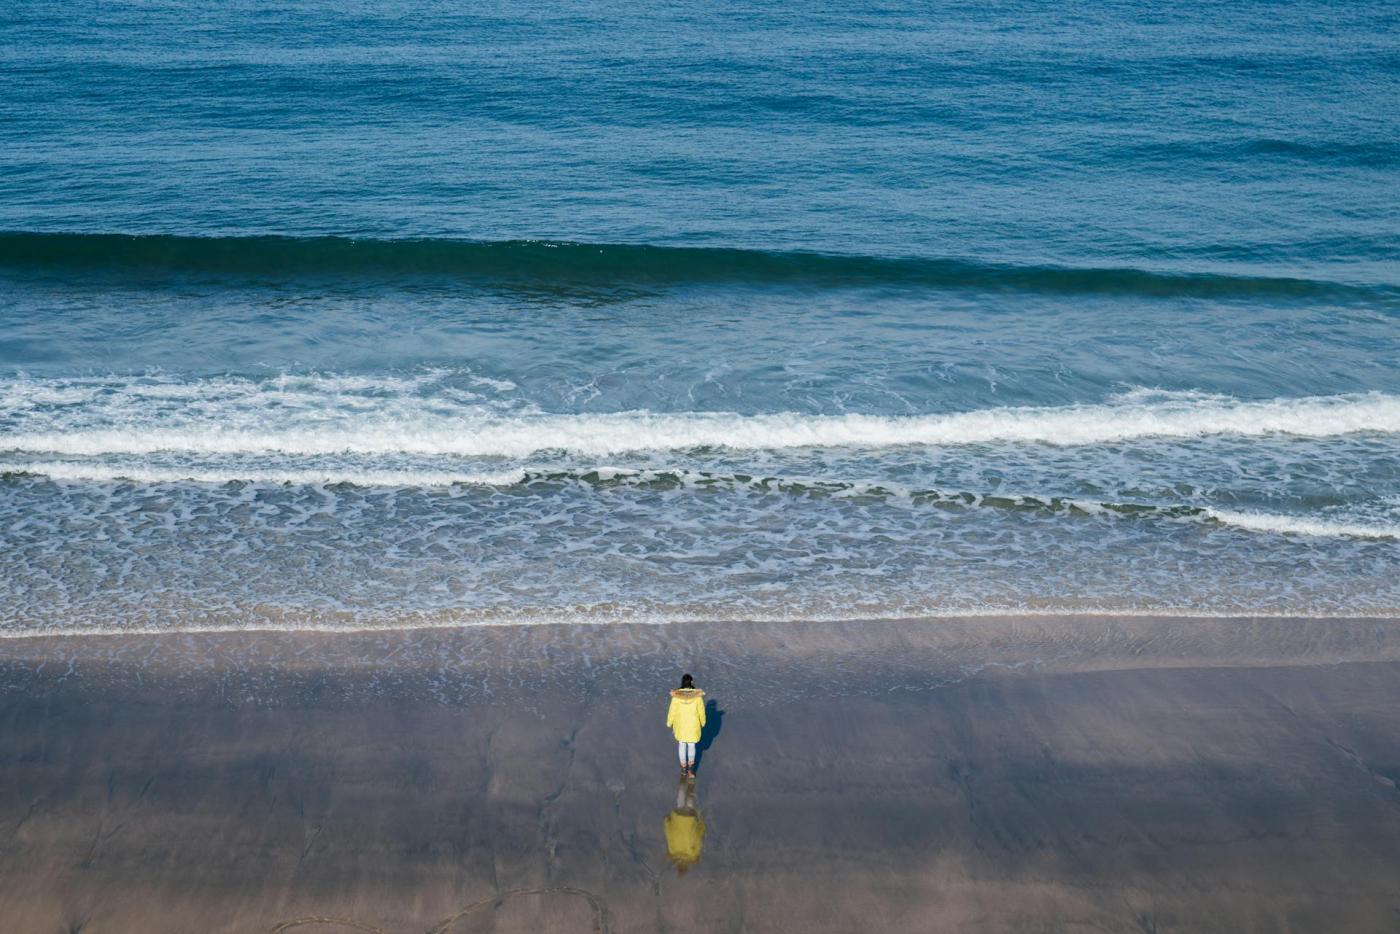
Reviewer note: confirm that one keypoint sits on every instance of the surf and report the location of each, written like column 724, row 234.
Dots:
column 605, row 477
column 223, row 423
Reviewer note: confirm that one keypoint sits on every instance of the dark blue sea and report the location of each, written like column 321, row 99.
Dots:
column 348, row 315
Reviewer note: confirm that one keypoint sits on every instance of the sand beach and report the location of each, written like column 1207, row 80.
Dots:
column 988, row 774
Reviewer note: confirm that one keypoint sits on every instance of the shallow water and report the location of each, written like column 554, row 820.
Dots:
column 363, row 315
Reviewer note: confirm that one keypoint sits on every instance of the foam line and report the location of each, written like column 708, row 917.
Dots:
column 1301, row 525
column 1249, row 521
column 103, row 473
column 474, row 431
column 573, row 617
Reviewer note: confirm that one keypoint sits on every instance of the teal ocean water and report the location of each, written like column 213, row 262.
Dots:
column 353, row 315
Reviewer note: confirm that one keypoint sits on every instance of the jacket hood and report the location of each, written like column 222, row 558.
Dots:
column 685, row 693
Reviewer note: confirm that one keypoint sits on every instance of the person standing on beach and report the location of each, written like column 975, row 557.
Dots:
column 686, row 717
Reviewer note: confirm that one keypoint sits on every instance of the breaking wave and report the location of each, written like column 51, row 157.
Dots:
column 203, row 425
column 439, row 429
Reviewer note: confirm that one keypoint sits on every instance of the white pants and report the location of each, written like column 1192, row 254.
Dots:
column 687, row 753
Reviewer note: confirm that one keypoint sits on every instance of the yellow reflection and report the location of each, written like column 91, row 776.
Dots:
column 685, row 829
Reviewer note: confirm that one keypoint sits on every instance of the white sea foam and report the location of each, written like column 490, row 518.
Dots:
column 1301, row 525
column 412, row 425
column 98, row 472
column 105, row 473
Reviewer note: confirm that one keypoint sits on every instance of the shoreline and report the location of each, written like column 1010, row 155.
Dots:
column 875, row 651
column 559, row 621
column 1050, row 774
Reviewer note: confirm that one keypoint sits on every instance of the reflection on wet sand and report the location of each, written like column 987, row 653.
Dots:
column 1114, row 775
column 685, row 829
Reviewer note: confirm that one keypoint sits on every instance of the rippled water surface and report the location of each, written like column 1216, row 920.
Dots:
column 348, row 315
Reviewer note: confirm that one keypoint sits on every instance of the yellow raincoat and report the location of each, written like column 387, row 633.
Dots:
column 687, row 714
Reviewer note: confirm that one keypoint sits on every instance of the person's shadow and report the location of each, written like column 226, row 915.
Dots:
column 714, row 721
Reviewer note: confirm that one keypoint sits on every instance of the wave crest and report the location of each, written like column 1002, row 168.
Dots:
column 563, row 263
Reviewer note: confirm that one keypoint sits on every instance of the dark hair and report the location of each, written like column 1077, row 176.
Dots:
column 687, row 681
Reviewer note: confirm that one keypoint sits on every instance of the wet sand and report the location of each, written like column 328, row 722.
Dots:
column 1052, row 774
